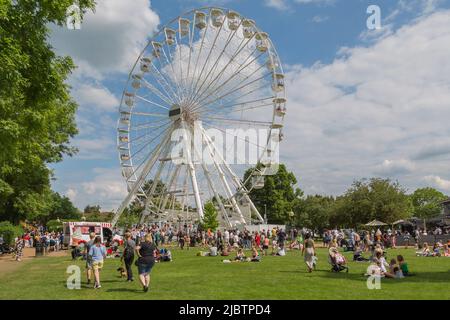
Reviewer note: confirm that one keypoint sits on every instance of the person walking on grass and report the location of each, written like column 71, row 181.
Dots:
column 87, row 248
column 20, row 244
column 128, row 255
column 309, row 251
column 97, row 253
column 146, row 260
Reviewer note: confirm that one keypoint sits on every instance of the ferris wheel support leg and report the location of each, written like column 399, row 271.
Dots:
column 149, row 201
column 185, row 189
column 191, row 169
column 216, row 194
column 140, row 180
column 167, row 196
column 235, row 178
column 234, row 204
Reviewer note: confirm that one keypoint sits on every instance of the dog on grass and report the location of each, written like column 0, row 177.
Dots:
column 123, row 272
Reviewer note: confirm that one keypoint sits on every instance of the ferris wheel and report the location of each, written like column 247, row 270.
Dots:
column 209, row 70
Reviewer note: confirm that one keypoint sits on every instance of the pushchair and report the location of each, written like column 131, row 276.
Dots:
column 6, row 249
column 337, row 261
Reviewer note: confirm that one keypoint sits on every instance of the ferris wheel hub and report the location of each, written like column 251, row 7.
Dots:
column 175, row 112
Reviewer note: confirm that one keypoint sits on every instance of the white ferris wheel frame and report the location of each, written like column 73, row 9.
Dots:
column 196, row 96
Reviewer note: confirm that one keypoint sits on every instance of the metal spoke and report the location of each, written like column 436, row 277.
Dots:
column 226, row 67
column 157, row 93
column 235, row 89
column 198, row 57
column 207, row 59
column 231, row 108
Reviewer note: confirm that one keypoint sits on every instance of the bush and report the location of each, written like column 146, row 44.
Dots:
column 9, row 232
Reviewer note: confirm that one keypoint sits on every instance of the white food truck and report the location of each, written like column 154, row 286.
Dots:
column 76, row 233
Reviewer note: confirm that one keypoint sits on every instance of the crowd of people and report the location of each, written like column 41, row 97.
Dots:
column 145, row 245
column 367, row 239
column 35, row 236
column 142, row 243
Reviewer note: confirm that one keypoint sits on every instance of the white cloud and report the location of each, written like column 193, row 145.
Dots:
column 110, row 39
column 71, row 194
column 385, row 101
column 106, row 188
column 95, row 148
column 277, row 4
column 96, row 97
column 394, row 168
column 438, row 182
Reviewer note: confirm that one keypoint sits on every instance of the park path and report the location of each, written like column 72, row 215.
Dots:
column 8, row 264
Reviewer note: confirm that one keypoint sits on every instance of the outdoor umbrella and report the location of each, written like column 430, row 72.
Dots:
column 403, row 222
column 376, row 223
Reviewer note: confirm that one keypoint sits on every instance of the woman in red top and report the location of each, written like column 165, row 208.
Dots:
column 258, row 240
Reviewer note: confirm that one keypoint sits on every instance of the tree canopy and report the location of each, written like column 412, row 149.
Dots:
column 366, row 200
column 427, row 202
column 277, row 195
column 37, row 114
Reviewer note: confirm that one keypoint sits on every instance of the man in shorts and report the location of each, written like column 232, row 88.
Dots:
column 89, row 266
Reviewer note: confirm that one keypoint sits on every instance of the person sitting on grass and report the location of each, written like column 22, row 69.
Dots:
column 255, row 255
column 436, row 250
column 446, row 252
column 358, row 255
column 425, row 252
column 240, row 256
column 381, row 268
column 225, row 252
column 374, row 269
column 395, row 269
column 165, row 255
column 382, row 260
column 297, row 243
column 403, row 265
column 212, row 251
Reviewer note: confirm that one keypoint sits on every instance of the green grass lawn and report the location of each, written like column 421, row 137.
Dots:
column 192, row 277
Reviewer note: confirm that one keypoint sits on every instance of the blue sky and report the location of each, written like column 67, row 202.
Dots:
column 362, row 103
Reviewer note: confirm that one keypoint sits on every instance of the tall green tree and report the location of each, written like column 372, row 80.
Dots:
column 210, row 217
column 427, row 203
column 62, row 208
column 37, row 114
column 92, row 209
column 367, row 200
column 277, row 196
column 314, row 211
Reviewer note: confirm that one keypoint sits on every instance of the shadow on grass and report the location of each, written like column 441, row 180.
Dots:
column 125, row 290
column 425, row 277
column 301, row 271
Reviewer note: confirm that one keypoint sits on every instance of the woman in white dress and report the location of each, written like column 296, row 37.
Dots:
column 309, row 251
